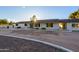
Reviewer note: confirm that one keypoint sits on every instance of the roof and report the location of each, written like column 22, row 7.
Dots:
column 52, row 20
column 21, row 22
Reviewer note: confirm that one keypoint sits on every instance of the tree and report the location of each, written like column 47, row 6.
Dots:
column 6, row 22
column 3, row 21
column 74, row 15
column 11, row 23
column 33, row 21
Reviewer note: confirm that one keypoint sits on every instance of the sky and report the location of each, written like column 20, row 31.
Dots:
column 23, row 13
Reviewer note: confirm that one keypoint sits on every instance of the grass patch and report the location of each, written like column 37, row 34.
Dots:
column 75, row 30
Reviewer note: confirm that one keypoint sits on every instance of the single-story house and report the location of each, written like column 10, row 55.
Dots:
column 51, row 24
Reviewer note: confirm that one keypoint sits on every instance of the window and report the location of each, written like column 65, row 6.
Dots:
column 16, row 24
column 37, row 25
column 25, row 24
column 49, row 24
column 46, row 24
column 75, row 25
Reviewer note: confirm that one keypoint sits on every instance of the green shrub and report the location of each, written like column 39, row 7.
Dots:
column 75, row 30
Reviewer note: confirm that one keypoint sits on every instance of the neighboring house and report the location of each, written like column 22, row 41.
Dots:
column 7, row 26
column 52, row 24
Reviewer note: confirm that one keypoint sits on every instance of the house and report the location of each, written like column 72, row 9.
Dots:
column 51, row 24
column 23, row 24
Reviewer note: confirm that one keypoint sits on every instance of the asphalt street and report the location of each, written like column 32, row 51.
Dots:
column 12, row 44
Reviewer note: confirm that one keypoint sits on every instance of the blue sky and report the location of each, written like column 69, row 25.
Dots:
column 22, row 13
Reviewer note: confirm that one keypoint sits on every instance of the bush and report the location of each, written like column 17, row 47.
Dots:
column 75, row 30
column 43, row 28
column 18, row 27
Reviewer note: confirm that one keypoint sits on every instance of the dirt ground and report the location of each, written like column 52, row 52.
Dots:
column 68, row 40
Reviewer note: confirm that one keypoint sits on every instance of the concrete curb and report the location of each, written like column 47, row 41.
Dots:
column 44, row 42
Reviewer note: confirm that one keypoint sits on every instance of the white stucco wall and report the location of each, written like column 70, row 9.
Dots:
column 73, row 28
column 69, row 27
column 23, row 25
column 42, row 25
column 55, row 26
column 28, row 25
